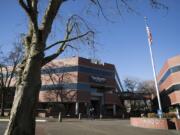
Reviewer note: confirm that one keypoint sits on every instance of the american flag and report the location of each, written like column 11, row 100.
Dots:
column 149, row 35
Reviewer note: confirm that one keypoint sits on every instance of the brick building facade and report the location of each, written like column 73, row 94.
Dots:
column 169, row 83
column 79, row 84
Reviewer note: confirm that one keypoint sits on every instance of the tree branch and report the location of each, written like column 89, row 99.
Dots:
column 11, row 75
column 55, row 55
column 7, row 75
column 71, row 24
column 2, row 76
column 99, row 6
column 68, row 40
column 158, row 5
column 49, row 16
column 31, row 10
column 24, row 6
column 62, row 47
column 29, row 4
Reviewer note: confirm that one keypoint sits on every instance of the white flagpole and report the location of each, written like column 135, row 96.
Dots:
column 154, row 71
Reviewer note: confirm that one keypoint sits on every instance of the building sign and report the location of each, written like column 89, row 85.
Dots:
column 97, row 79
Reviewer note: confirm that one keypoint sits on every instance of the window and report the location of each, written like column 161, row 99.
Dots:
column 169, row 71
column 83, row 69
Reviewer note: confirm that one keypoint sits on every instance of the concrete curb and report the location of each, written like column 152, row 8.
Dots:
column 6, row 120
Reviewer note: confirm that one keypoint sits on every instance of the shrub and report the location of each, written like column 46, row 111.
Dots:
column 152, row 115
column 169, row 115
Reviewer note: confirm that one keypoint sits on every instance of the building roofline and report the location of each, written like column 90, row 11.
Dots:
column 79, row 57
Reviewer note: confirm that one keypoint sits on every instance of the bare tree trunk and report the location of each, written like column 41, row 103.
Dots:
column 2, row 103
column 22, row 119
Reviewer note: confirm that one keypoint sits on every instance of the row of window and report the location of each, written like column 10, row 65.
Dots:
column 173, row 89
column 98, row 72
column 83, row 69
column 65, row 86
column 167, row 74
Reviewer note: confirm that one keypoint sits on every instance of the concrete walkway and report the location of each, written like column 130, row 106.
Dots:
column 93, row 127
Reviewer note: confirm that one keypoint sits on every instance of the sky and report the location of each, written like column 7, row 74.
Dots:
column 121, row 41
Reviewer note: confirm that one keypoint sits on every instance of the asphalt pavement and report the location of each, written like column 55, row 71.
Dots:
column 92, row 127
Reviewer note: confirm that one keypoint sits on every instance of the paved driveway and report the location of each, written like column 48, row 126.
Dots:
column 93, row 127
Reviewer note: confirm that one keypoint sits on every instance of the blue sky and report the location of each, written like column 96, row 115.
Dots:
column 123, row 42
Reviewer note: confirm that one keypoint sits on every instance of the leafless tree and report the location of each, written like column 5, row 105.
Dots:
column 8, row 66
column 58, row 79
column 141, row 87
column 136, row 85
column 131, row 84
column 147, row 87
column 57, row 93
column 28, row 83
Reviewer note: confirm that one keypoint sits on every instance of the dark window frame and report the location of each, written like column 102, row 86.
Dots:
column 169, row 72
